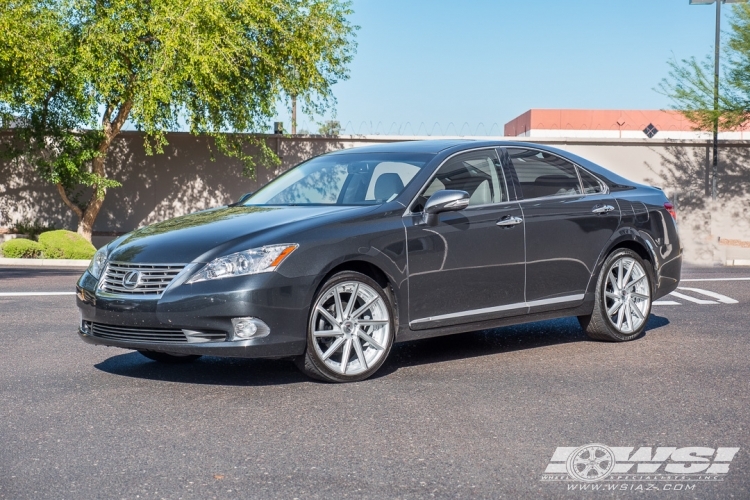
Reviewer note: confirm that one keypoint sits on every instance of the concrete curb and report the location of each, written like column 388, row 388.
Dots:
column 45, row 262
column 738, row 262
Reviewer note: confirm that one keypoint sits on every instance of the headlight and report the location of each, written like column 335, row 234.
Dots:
column 98, row 262
column 254, row 261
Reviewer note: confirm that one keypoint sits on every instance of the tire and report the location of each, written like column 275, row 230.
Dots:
column 362, row 331
column 172, row 359
column 621, row 310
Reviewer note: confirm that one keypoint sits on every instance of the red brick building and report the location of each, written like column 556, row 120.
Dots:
column 609, row 124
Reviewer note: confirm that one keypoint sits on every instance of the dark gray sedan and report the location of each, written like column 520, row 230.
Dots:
column 349, row 252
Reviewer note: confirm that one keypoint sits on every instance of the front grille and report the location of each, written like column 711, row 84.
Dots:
column 136, row 334
column 153, row 278
column 139, row 334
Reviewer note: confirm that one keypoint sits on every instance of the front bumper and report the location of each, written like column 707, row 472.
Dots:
column 282, row 303
column 276, row 346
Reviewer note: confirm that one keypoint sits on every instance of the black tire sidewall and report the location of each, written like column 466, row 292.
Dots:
column 311, row 355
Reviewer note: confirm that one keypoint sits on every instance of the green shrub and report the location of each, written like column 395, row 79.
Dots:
column 62, row 244
column 21, row 248
column 31, row 229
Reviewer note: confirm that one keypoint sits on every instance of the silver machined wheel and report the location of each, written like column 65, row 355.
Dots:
column 350, row 327
column 627, row 295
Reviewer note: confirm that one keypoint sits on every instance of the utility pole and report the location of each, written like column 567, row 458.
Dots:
column 714, row 171
column 716, row 100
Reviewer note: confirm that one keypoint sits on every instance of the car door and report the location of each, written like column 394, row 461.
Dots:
column 470, row 265
column 569, row 217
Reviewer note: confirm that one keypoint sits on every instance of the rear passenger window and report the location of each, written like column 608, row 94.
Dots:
column 591, row 184
column 543, row 174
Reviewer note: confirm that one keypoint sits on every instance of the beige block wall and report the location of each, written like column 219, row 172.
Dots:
column 185, row 179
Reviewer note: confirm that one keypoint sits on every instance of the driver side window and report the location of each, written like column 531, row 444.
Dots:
column 478, row 173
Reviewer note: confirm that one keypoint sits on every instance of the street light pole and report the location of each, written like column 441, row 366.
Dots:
column 716, row 101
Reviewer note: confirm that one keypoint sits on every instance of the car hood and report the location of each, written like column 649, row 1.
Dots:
column 199, row 236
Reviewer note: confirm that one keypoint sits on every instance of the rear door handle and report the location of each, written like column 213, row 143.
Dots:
column 509, row 221
column 603, row 209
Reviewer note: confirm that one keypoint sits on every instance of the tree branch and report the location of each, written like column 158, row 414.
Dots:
column 122, row 116
column 66, row 200
column 106, row 124
column 52, row 93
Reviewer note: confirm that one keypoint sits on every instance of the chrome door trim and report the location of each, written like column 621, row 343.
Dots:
column 557, row 300
column 508, row 307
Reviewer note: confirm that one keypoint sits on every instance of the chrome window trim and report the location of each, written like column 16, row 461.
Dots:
column 561, row 197
column 508, row 307
column 605, row 188
column 409, row 213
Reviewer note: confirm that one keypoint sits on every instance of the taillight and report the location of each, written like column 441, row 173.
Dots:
column 670, row 208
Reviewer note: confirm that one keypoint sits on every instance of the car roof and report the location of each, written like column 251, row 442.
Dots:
column 433, row 146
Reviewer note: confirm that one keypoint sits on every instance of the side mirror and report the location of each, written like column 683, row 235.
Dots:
column 444, row 201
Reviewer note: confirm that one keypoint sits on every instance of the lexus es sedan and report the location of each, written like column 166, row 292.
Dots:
column 345, row 254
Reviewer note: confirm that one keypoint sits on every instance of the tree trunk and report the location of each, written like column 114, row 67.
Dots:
column 88, row 215
column 86, row 223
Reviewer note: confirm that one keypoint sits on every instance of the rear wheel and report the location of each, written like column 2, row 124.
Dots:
column 622, row 300
column 350, row 331
column 174, row 359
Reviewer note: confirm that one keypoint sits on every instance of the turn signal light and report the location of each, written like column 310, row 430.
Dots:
column 670, row 208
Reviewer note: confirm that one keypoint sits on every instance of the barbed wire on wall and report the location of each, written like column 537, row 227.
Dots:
column 420, row 129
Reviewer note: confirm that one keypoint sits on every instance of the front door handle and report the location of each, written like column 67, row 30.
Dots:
column 603, row 209
column 509, row 221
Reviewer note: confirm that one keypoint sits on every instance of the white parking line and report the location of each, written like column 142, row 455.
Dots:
column 693, row 299
column 27, row 294
column 721, row 298
column 666, row 303
column 716, row 279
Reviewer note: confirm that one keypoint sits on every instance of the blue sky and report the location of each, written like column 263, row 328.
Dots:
column 486, row 61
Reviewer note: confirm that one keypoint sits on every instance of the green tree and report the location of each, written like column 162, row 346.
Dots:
column 330, row 128
column 690, row 84
column 73, row 72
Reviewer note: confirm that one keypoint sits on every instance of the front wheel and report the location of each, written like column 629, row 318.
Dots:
column 350, row 331
column 622, row 299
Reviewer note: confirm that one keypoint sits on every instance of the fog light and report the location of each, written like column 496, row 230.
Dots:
column 86, row 327
column 246, row 328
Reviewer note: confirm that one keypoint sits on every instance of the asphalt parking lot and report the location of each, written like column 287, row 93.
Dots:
column 476, row 415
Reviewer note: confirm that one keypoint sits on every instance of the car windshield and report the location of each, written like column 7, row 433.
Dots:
column 343, row 179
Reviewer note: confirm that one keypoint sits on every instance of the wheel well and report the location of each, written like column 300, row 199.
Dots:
column 373, row 272
column 359, row 266
column 643, row 254
column 637, row 248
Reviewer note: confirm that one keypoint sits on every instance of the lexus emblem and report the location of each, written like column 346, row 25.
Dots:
column 131, row 279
